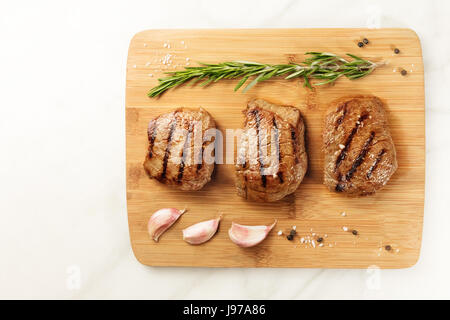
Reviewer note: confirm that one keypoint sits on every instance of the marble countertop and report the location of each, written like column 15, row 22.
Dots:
column 63, row 229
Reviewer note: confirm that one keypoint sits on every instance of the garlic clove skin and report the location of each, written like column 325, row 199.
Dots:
column 201, row 232
column 248, row 236
column 161, row 220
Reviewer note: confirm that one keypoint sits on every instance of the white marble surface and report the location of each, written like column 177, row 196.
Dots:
column 62, row 164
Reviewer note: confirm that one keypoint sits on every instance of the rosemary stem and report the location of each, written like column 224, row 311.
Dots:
column 327, row 67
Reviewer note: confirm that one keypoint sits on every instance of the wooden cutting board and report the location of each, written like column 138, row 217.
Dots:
column 392, row 217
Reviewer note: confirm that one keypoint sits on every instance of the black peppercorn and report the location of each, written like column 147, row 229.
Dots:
column 403, row 72
column 366, row 41
column 355, row 232
column 396, row 51
column 388, row 247
column 293, row 232
column 360, row 44
column 320, row 239
column 290, row 237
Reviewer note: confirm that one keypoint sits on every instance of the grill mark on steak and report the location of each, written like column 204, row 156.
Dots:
column 340, row 185
column 152, row 136
column 199, row 166
column 181, row 169
column 173, row 124
column 257, row 117
column 294, row 143
column 341, row 118
column 277, row 144
column 375, row 164
column 280, row 176
column 180, row 172
column 348, row 141
column 359, row 160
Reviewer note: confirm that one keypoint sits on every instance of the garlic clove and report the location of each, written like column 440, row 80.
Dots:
column 248, row 236
column 201, row 232
column 161, row 220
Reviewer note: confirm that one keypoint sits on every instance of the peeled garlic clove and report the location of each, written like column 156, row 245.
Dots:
column 161, row 220
column 248, row 236
column 201, row 232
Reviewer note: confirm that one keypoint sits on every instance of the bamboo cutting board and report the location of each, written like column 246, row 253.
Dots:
column 391, row 217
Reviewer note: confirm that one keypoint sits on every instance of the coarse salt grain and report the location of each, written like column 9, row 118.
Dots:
column 165, row 45
column 187, row 59
column 147, row 64
column 280, row 233
column 321, row 245
column 302, row 240
column 145, row 44
column 182, row 42
column 294, row 227
column 134, row 66
column 341, row 146
column 167, row 59
column 345, row 228
column 343, row 214
column 150, row 75
column 313, row 243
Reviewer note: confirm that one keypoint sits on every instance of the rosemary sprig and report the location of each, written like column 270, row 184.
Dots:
column 319, row 65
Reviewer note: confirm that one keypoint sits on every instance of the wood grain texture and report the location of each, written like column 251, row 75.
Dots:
column 392, row 217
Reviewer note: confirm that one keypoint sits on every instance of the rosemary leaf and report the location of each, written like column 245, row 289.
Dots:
column 240, row 83
column 251, row 84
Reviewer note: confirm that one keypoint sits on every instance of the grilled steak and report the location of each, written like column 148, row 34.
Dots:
column 359, row 151
column 271, row 159
column 176, row 144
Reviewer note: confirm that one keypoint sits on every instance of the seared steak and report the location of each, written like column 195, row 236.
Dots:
column 271, row 159
column 174, row 157
column 359, row 151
